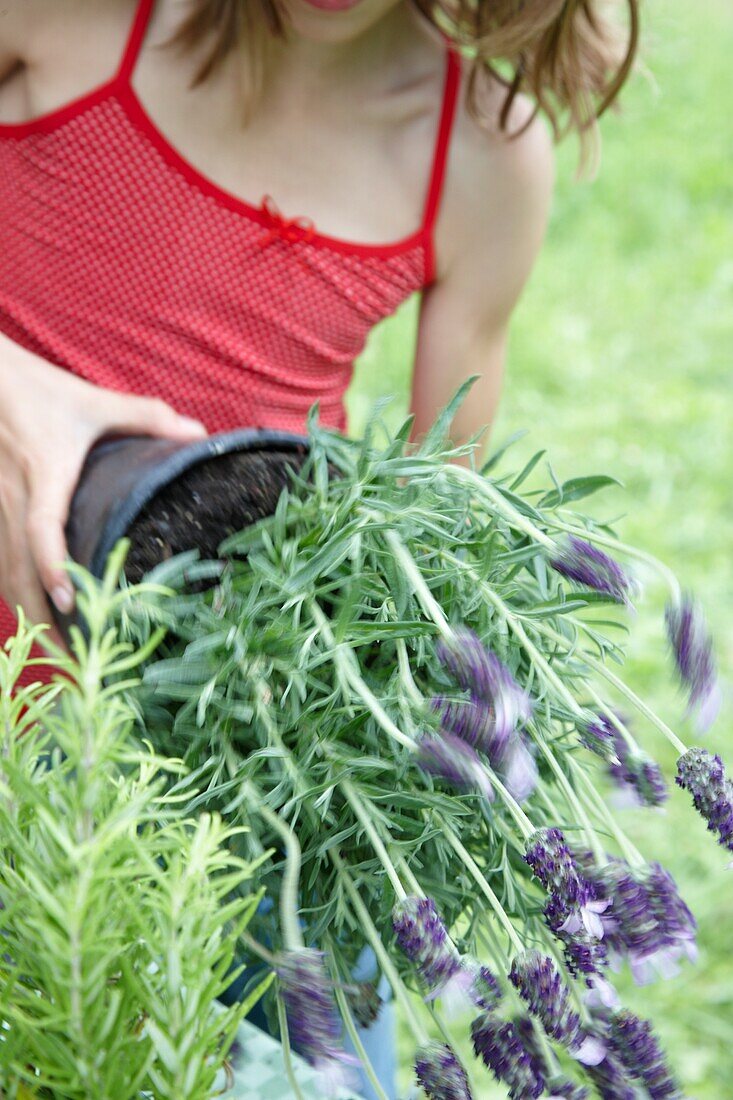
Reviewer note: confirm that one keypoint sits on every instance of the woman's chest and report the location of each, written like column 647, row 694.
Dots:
column 356, row 165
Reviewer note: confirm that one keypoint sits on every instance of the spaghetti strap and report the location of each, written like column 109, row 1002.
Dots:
column 440, row 157
column 135, row 40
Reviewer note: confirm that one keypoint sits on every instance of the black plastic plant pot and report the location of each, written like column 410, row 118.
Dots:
column 168, row 497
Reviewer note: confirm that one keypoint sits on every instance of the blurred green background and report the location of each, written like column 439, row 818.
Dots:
column 620, row 362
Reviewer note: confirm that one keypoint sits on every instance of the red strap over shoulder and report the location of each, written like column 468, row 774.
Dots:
column 440, row 157
column 135, row 39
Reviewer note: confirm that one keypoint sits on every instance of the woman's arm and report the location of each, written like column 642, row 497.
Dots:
column 494, row 218
column 49, row 420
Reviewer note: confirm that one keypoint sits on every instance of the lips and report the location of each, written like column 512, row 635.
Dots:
column 333, row 5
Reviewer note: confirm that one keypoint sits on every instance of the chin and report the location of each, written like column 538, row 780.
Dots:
column 335, row 20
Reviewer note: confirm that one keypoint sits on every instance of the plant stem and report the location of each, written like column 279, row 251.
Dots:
column 292, row 934
column 375, row 941
column 258, row 949
column 524, row 825
column 630, row 852
column 430, row 605
column 613, row 718
column 572, row 799
column 484, row 488
column 481, row 882
column 285, row 1043
column 348, row 1021
column 346, row 657
column 621, row 687
column 374, row 838
column 406, row 674
column 408, row 875
column 539, row 659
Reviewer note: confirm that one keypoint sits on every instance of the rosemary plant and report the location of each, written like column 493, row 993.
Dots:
column 404, row 682
column 116, row 917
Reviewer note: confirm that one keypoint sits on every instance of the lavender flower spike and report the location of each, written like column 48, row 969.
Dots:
column 693, row 653
column 637, row 777
column 313, row 1023
column 423, row 937
column 703, row 775
column 585, row 564
column 451, row 759
column 637, row 1049
column 480, row 672
column 649, row 923
column 485, row 991
column 540, row 986
column 440, row 1074
column 571, row 892
column 548, row 999
column 575, row 907
column 499, row 1044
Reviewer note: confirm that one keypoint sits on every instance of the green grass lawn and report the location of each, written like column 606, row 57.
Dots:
column 620, row 363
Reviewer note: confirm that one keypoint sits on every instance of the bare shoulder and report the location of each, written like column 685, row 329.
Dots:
column 498, row 186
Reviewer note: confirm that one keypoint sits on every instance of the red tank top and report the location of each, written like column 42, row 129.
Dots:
column 123, row 263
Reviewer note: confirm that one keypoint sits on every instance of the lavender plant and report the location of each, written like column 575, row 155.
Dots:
column 402, row 681
column 116, row 914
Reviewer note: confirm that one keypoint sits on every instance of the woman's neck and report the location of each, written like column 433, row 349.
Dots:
column 393, row 46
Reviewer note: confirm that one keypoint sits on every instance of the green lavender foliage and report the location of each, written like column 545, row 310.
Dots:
column 284, row 685
column 117, row 922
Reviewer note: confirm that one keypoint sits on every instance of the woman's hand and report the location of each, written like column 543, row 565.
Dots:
column 49, row 420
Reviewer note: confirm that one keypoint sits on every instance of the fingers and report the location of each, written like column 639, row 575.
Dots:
column 150, row 416
column 21, row 585
column 50, row 494
column 47, row 511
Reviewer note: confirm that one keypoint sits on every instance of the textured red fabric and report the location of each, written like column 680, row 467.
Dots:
column 121, row 262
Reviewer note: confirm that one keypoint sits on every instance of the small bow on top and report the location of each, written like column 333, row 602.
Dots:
column 282, row 228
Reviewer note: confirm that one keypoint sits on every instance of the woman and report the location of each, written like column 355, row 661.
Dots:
column 207, row 204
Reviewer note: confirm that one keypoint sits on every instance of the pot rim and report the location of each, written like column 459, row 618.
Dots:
column 126, row 510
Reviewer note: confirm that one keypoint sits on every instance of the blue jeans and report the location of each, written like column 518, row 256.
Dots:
column 379, row 1039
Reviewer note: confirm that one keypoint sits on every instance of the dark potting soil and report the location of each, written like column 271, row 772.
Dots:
column 208, row 503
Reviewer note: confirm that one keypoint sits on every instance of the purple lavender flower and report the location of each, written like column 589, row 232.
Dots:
column 423, row 938
column 480, row 672
column 499, row 1044
column 611, row 1080
column 448, row 757
column 574, row 908
column 540, row 986
column 472, row 720
column 641, row 779
column 649, row 923
column 599, row 735
column 703, row 775
column 559, row 1088
column 440, row 1074
column 636, row 1047
column 548, row 999
column 693, row 653
column 490, row 719
column 553, row 864
column 636, row 775
column 584, row 563
column 485, row 991
column 313, row 1023
column 575, row 897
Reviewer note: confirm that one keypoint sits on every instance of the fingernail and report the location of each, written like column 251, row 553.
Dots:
column 63, row 598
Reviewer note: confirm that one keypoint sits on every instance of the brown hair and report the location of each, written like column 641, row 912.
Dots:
column 570, row 56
